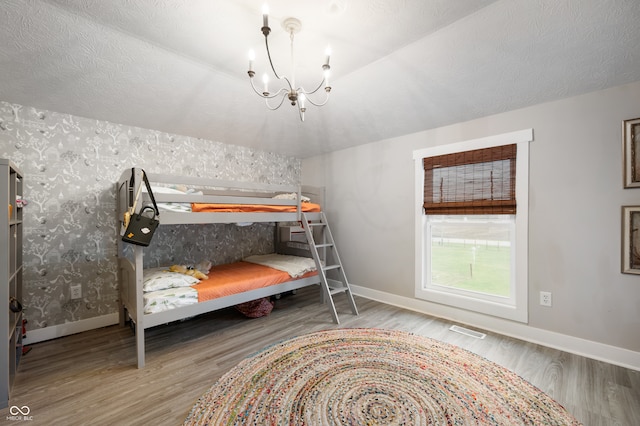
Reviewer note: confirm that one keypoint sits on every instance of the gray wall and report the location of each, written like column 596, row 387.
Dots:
column 576, row 194
column 70, row 166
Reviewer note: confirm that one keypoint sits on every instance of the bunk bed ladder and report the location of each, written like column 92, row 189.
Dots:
column 325, row 254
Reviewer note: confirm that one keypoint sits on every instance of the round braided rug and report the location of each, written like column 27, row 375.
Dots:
column 372, row 377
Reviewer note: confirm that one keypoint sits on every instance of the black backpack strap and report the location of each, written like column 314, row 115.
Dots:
column 132, row 185
column 153, row 200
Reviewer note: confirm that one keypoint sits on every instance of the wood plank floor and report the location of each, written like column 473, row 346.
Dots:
column 91, row 379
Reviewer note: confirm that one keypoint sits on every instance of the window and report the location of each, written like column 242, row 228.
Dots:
column 471, row 225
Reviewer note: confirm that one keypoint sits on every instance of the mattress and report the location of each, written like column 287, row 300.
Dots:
column 239, row 277
column 179, row 207
column 164, row 290
column 252, row 208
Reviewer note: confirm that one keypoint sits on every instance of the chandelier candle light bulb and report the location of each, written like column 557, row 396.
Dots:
column 252, row 57
column 265, row 15
column 296, row 95
column 301, row 99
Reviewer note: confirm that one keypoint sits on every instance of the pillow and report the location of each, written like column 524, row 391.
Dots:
column 291, row 196
column 161, row 279
column 170, row 190
column 173, row 206
column 164, row 190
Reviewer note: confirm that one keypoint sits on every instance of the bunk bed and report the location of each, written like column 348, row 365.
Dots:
column 209, row 201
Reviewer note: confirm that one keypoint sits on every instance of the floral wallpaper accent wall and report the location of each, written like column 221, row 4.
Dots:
column 70, row 165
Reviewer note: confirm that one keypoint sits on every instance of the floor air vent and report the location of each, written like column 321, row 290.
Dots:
column 467, row 332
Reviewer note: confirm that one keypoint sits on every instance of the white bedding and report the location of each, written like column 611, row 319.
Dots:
column 163, row 300
column 164, row 290
column 295, row 266
column 162, row 279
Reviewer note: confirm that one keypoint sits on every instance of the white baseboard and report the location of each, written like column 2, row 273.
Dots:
column 60, row 330
column 575, row 345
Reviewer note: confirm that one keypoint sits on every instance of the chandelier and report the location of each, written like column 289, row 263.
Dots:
column 298, row 96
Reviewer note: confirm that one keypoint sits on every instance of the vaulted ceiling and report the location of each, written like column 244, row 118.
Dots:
column 398, row 66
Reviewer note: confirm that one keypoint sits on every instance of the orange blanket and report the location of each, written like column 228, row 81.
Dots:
column 251, row 208
column 238, row 277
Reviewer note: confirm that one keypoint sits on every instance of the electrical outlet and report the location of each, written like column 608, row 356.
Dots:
column 545, row 298
column 76, row 291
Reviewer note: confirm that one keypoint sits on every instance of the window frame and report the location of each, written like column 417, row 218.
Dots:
column 516, row 308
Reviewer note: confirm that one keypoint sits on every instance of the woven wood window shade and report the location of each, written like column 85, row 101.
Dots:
column 481, row 181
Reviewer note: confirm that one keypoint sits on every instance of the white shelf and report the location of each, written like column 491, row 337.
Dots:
column 11, row 272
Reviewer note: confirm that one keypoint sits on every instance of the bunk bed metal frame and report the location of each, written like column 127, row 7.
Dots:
column 130, row 271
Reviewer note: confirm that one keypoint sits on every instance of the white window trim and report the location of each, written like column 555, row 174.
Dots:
column 519, row 310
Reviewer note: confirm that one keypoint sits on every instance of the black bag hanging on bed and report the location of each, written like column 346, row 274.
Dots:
column 140, row 228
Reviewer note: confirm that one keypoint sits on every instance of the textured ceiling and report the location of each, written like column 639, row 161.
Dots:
column 398, row 66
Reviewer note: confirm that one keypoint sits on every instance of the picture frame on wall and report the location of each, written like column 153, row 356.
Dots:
column 631, row 239
column 631, row 152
